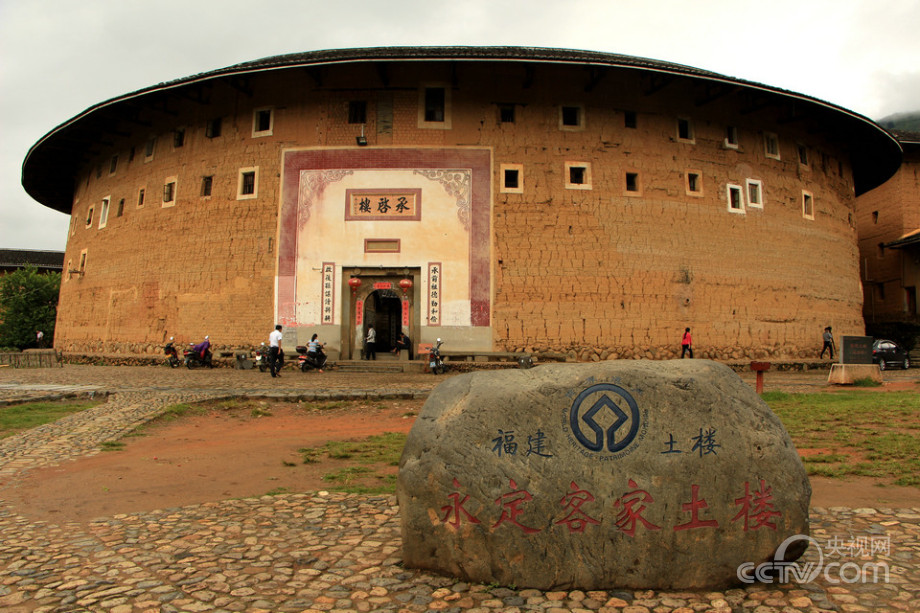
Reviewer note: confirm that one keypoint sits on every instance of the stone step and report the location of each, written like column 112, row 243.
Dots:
column 378, row 366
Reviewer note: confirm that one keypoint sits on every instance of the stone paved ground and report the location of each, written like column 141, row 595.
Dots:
column 336, row 552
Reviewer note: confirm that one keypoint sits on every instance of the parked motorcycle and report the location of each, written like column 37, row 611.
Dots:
column 194, row 358
column 262, row 358
column 172, row 356
column 435, row 363
column 309, row 361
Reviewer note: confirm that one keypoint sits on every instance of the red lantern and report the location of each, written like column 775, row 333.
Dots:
column 406, row 285
column 354, row 283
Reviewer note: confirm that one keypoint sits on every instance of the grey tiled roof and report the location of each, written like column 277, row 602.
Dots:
column 19, row 258
column 51, row 163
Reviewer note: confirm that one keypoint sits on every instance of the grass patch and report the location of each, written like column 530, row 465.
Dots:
column 324, row 406
column 854, row 433
column 366, row 460
column 16, row 418
column 867, row 382
column 112, row 446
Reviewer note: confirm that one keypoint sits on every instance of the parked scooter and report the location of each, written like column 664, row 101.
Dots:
column 199, row 355
column 435, row 363
column 309, row 361
column 172, row 356
column 262, row 358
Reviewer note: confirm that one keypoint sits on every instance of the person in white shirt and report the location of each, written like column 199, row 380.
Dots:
column 370, row 344
column 274, row 351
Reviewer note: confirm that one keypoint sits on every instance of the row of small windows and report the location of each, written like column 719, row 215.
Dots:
column 263, row 120
column 247, row 188
column 578, row 176
column 434, row 102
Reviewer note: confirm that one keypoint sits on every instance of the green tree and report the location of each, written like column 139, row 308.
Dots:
column 28, row 303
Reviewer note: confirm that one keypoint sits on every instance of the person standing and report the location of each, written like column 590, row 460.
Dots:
column 370, row 344
column 274, row 351
column 828, row 337
column 686, row 344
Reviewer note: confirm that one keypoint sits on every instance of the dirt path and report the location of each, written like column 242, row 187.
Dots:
column 231, row 454
column 204, row 458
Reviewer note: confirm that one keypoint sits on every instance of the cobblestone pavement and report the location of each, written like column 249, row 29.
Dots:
column 340, row 552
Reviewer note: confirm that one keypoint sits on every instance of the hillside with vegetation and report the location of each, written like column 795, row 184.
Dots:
column 902, row 122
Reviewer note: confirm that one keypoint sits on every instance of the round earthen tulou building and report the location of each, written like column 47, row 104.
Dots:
column 498, row 198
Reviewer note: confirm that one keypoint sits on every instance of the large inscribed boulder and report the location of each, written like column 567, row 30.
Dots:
column 628, row 474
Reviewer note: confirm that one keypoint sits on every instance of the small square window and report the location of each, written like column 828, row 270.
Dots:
column 735, row 199
column 89, row 217
column 694, row 185
column 874, row 216
column 206, row 183
column 808, row 205
column 213, row 128
column 630, row 120
column 262, row 122
column 803, row 154
column 98, row 171
column 771, row 145
column 169, row 192
column 512, row 178
column 131, row 153
column 435, row 104
column 571, row 117
column 248, row 184
column 140, row 197
column 684, row 130
column 506, row 113
column 357, row 111
column 577, row 175
column 121, row 208
column 179, row 138
column 731, row 137
column 632, row 183
column 113, row 165
column 149, row 148
column 104, row 213
column 754, row 193
column 83, row 260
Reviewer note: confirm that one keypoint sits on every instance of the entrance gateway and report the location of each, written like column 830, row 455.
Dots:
column 397, row 238
column 385, row 299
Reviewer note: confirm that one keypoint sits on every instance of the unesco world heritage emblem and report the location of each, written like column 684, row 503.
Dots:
column 605, row 417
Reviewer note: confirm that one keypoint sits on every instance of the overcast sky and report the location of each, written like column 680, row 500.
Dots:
column 59, row 57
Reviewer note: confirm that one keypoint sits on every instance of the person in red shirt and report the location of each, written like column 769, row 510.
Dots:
column 686, row 344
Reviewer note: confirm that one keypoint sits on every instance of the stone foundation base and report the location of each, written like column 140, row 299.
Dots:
column 847, row 374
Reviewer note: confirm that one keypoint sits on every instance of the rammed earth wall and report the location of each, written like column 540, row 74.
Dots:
column 613, row 261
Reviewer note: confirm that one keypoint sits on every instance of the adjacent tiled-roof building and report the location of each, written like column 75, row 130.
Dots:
column 14, row 259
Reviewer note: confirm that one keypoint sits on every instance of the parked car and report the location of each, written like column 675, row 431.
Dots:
column 887, row 353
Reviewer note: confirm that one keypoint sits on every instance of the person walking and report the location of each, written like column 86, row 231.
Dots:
column 274, row 351
column 828, row 338
column 686, row 344
column 370, row 344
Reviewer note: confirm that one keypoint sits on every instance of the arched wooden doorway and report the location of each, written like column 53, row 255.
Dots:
column 380, row 301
